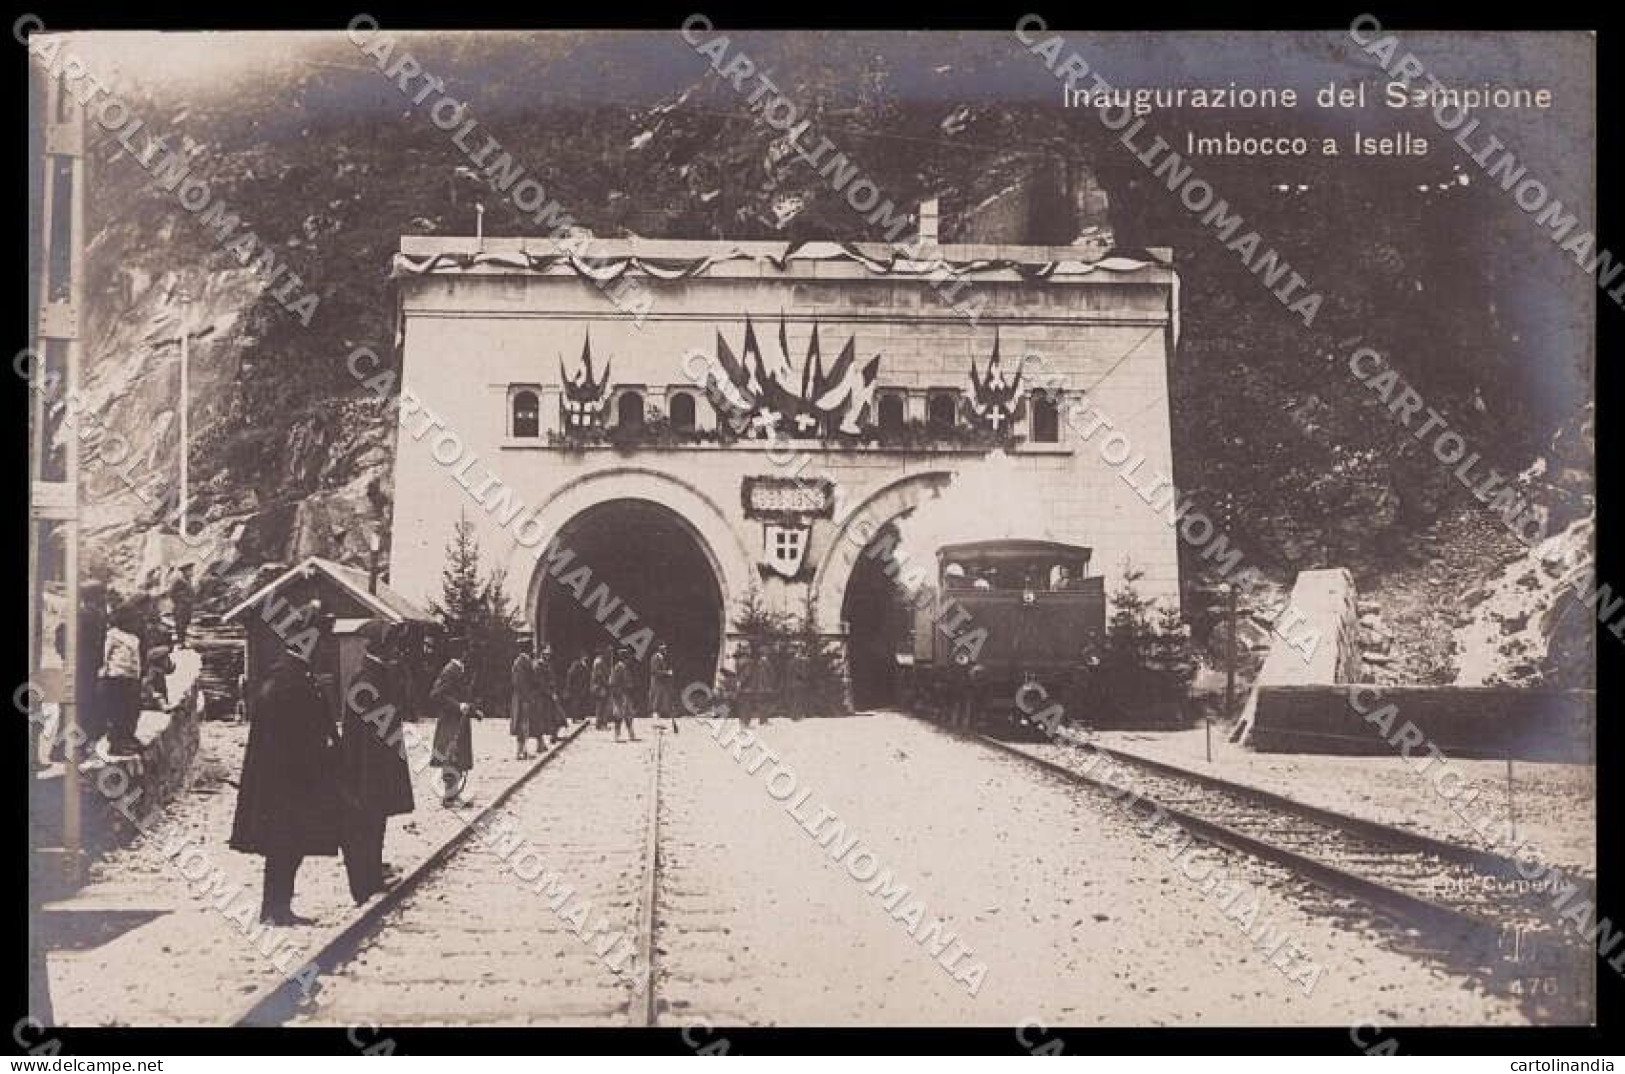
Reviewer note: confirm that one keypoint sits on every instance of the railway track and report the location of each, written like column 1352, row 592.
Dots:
column 647, row 1010
column 1466, row 906
column 466, row 937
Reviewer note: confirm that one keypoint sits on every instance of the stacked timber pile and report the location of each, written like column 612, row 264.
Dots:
column 221, row 647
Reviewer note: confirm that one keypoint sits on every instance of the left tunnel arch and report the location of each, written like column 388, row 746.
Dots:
column 638, row 575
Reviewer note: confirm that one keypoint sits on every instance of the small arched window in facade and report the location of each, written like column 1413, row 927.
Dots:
column 891, row 414
column 527, row 414
column 1046, row 419
column 682, row 412
column 629, row 409
column 942, row 412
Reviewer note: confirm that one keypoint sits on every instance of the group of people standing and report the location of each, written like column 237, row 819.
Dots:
column 767, row 680
column 603, row 688
column 534, row 707
column 607, row 690
column 313, row 786
column 123, row 659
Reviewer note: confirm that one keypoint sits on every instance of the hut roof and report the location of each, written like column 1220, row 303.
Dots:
column 385, row 603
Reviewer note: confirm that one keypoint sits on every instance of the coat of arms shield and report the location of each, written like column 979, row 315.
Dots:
column 784, row 547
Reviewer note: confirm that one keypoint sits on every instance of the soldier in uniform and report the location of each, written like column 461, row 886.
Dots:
column 802, row 702
column 550, row 718
column 598, row 687
column 662, row 689
column 577, row 696
column 524, row 702
column 755, row 685
column 453, row 730
column 778, row 701
column 621, row 699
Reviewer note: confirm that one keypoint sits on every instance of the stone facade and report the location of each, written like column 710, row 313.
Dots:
column 478, row 329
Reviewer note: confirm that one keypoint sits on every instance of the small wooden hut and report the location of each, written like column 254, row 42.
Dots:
column 343, row 595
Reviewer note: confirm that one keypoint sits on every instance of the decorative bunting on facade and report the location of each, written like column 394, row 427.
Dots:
column 761, row 388
column 889, row 263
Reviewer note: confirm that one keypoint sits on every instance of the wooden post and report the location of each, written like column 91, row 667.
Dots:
column 1230, row 664
column 54, row 497
column 185, row 408
column 1512, row 817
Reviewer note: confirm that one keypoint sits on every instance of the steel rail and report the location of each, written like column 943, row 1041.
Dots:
column 646, row 1008
column 1401, row 905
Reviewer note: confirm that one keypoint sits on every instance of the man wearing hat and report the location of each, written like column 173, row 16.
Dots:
column 550, row 718
column 375, row 778
column 577, row 695
column 620, row 694
column 598, row 686
column 286, row 800
column 453, row 731
column 662, row 688
column 524, row 701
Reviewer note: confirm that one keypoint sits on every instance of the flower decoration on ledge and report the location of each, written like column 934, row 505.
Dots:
column 654, row 432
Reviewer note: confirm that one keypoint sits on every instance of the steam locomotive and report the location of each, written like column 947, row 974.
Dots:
column 1008, row 613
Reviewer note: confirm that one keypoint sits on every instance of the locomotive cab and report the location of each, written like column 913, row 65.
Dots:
column 1007, row 613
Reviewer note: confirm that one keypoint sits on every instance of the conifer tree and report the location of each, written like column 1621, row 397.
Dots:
column 477, row 610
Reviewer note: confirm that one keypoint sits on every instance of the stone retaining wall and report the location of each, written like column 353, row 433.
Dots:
column 1462, row 721
column 160, row 772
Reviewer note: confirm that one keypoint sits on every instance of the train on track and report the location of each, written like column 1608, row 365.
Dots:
column 1028, row 612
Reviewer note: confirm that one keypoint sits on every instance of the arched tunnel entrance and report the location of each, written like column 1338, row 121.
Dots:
column 648, row 561
column 879, row 618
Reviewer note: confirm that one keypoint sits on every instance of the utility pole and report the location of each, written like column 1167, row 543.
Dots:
column 54, row 486
column 1229, row 663
column 1512, row 817
column 183, row 299
column 185, row 408
column 375, row 543
column 53, row 500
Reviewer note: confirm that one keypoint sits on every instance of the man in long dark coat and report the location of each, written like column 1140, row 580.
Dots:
column 621, row 697
column 598, row 687
column 524, row 702
column 375, row 779
column 286, row 801
column 550, row 719
column 453, row 729
column 662, row 687
column 577, row 700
